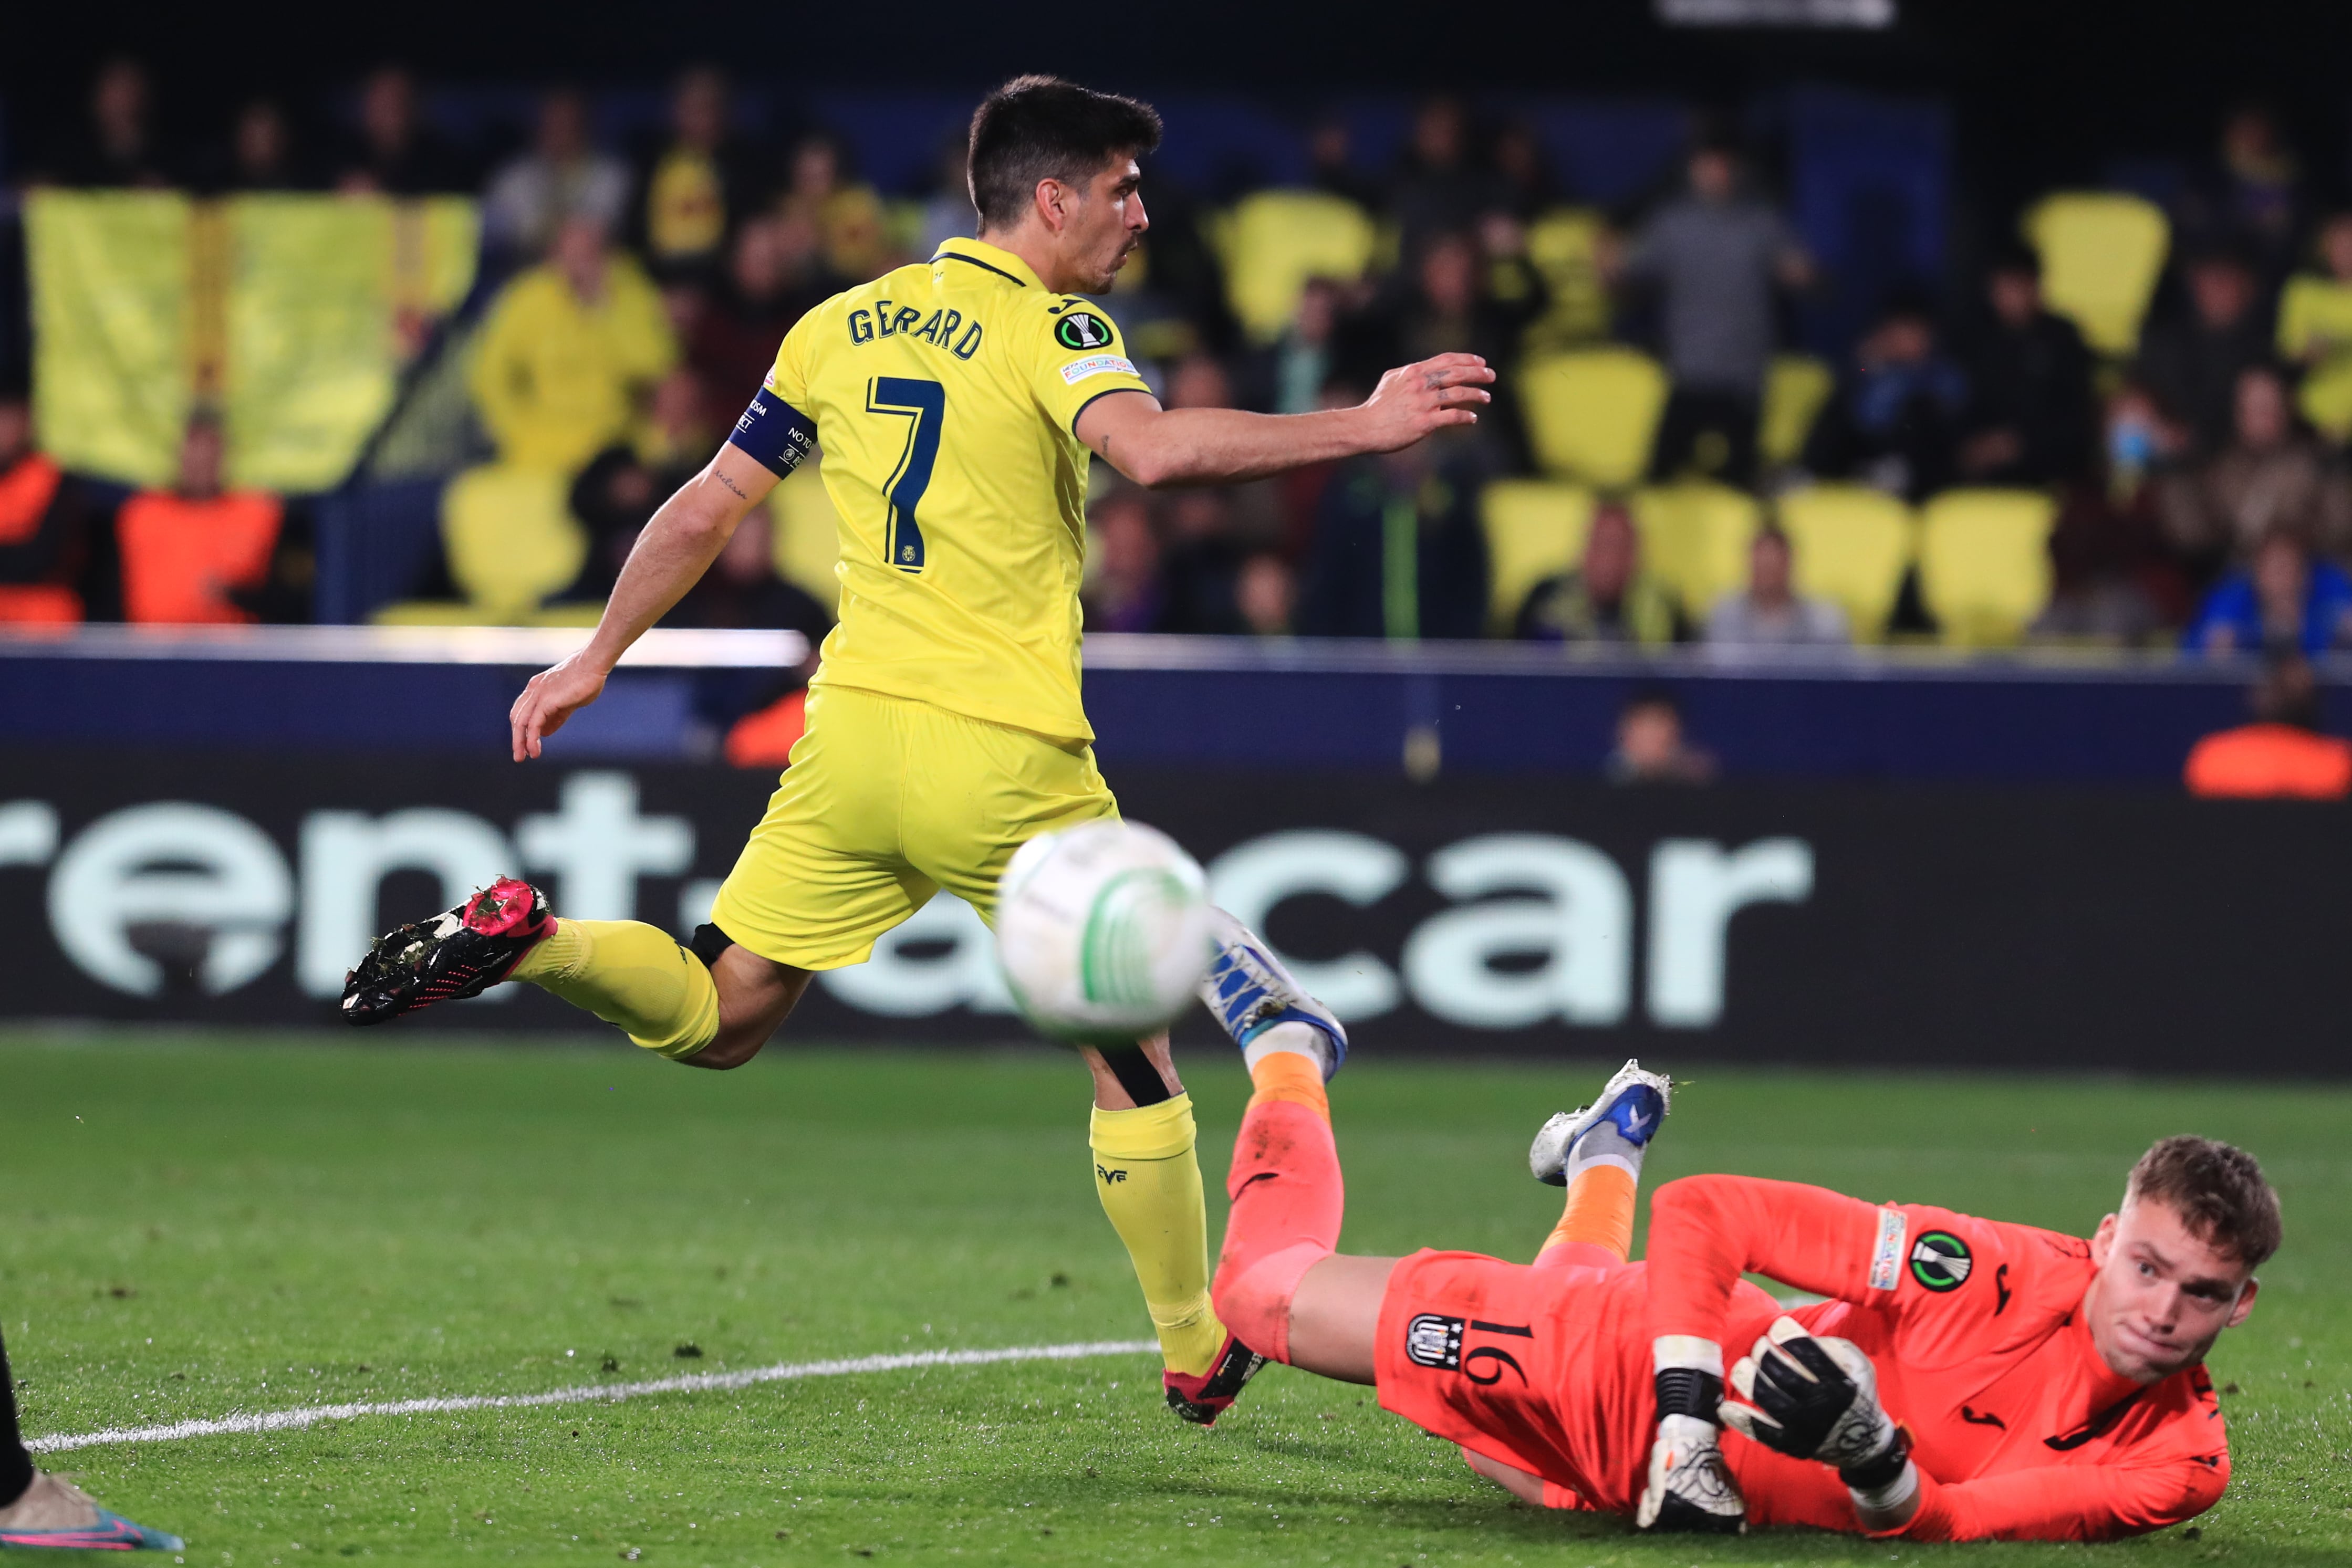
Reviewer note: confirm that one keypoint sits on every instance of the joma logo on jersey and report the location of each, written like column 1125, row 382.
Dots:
column 890, row 320
column 1082, row 330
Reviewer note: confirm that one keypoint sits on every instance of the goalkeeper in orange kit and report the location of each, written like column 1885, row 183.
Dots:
column 1965, row 1379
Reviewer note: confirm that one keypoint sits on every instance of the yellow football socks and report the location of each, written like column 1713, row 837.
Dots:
column 1150, row 1182
column 1598, row 1212
column 634, row 975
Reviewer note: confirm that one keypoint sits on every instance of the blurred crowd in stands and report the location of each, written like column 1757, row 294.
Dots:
column 1659, row 466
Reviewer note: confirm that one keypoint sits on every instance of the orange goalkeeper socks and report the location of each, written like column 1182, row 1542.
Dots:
column 1596, row 1225
column 1288, row 1200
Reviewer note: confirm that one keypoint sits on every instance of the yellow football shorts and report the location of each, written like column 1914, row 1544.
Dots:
column 888, row 801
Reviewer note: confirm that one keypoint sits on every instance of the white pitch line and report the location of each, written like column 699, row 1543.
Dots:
column 609, row 1393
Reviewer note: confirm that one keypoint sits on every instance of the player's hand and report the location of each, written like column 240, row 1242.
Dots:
column 552, row 698
column 1811, row 1398
column 1413, row 401
column 1690, row 1490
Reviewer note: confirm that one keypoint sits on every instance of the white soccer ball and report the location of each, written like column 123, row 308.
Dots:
column 1103, row 932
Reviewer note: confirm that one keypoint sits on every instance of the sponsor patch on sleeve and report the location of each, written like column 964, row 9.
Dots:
column 776, row 434
column 1078, row 371
column 1886, row 1258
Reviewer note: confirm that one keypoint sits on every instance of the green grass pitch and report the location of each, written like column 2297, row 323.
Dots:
column 197, row 1226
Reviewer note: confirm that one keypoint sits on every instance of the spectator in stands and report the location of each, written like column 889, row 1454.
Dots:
column 395, row 153
column 1652, row 747
column 1290, row 376
column 2250, row 197
column 1267, row 593
column 1715, row 255
column 1894, row 423
column 2314, row 332
column 617, row 495
column 773, row 277
column 2271, row 475
column 1123, row 592
column 2114, row 579
column 1770, row 612
column 262, row 152
column 2281, row 754
column 1398, row 550
column 1524, row 187
column 2192, row 365
column 1199, row 566
column 947, row 212
column 192, row 552
column 762, row 710
column 45, row 537
column 2285, row 601
column 2030, row 413
column 743, row 591
column 1251, row 514
column 566, row 352
column 1446, row 303
column 1437, row 188
column 562, row 177
column 118, row 145
column 1331, row 165
column 693, row 192
column 852, row 235
column 1608, row 598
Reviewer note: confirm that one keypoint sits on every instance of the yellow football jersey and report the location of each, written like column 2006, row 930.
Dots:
column 944, row 396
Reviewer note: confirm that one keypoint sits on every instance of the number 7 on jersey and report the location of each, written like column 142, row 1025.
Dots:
column 924, row 405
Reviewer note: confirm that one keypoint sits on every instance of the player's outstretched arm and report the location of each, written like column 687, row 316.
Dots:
column 675, row 549
column 1156, row 446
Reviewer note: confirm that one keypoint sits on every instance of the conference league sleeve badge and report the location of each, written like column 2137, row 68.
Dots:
column 1941, row 1261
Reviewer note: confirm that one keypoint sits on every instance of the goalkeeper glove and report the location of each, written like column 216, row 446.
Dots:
column 1817, row 1398
column 1690, row 1488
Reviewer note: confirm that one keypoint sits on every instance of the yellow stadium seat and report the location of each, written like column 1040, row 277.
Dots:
column 1694, row 539
column 1795, row 390
column 804, row 534
column 1564, row 246
column 1273, row 241
column 1592, row 415
column 1535, row 529
column 1849, row 544
column 510, row 538
column 2101, row 254
column 1984, row 564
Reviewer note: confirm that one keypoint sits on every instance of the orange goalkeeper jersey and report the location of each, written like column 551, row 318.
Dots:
column 1976, row 1328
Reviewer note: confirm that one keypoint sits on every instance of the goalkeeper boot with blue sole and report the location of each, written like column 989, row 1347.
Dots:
column 1634, row 1103
column 460, row 952
column 1250, row 991
column 55, row 1515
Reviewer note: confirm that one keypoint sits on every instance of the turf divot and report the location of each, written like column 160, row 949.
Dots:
column 608, row 1393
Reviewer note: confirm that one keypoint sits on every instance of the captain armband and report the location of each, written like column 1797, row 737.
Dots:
column 774, row 433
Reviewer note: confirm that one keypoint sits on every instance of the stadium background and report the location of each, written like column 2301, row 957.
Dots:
column 1941, row 922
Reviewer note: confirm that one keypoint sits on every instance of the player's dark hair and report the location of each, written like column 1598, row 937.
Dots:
column 1042, row 128
column 2218, row 1191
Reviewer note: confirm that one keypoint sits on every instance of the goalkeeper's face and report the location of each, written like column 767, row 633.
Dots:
column 2162, row 1294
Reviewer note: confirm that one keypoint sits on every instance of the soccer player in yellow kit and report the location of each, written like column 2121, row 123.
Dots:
column 956, row 401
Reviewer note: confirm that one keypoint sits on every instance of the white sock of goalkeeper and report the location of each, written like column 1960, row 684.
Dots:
column 1604, row 1144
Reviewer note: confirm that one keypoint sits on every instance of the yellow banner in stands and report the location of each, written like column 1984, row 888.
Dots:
column 293, row 314
column 110, row 326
